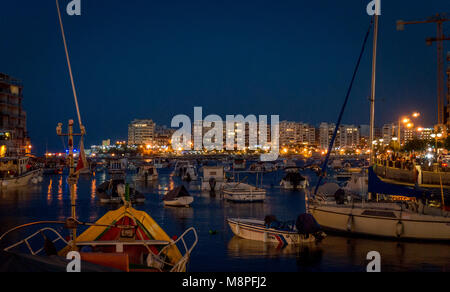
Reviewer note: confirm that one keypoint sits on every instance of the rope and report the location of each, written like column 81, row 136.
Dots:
column 338, row 123
column 69, row 65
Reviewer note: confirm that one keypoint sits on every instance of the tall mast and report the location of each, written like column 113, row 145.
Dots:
column 372, row 97
column 73, row 173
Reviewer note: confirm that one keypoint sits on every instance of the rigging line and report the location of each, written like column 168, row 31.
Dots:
column 338, row 123
column 68, row 64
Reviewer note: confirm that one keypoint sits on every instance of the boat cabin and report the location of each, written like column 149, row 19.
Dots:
column 11, row 167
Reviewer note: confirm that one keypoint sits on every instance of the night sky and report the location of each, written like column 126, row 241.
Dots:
column 155, row 59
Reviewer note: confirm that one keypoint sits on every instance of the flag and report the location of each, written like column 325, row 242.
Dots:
column 82, row 161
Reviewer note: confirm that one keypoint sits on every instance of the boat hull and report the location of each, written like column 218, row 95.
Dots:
column 287, row 185
column 241, row 192
column 32, row 177
column 255, row 230
column 180, row 202
column 110, row 235
column 388, row 224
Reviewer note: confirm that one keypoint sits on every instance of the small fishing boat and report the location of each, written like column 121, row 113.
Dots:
column 178, row 197
column 124, row 240
column 111, row 191
column 293, row 181
column 146, row 173
column 304, row 230
column 213, row 178
column 185, row 170
column 242, row 192
column 116, row 166
column 17, row 172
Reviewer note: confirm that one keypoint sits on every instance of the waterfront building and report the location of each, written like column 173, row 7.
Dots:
column 409, row 134
column 141, row 132
column 163, row 136
column 297, row 133
column 325, row 134
column 307, row 134
column 425, row 133
column 389, row 131
column 290, row 133
column 347, row 137
column 14, row 139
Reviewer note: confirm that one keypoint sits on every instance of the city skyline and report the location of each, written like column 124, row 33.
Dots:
column 263, row 50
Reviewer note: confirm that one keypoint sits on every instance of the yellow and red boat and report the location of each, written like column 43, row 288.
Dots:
column 124, row 240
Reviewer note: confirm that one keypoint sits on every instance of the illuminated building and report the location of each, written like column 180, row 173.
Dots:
column 13, row 122
column 141, row 132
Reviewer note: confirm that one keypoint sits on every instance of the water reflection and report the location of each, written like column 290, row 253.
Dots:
column 50, row 191
column 93, row 189
column 51, row 201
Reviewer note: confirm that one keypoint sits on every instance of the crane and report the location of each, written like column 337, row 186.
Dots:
column 439, row 20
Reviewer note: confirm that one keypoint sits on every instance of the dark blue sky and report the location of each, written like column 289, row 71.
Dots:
column 155, row 59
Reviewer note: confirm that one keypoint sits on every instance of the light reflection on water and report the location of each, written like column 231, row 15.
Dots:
column 222, row 251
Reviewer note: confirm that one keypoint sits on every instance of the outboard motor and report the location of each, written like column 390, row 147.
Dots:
column 340, row 197
column 212, row 184
column 306, row 224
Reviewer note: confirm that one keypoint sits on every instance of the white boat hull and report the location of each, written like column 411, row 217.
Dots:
column 382, row 223
column 244, row 197
column 241, row 192
column 255, row 230
column 30, row 178
column 180, row 202
column 288, row 186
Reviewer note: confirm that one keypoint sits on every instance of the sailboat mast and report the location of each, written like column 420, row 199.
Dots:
column 69, row 66
column 372, row 97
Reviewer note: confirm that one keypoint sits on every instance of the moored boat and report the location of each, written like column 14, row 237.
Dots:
column 146, row 173
column 213, row 178
column 112, row 190
column 17, row 172
column 178, row 197
column 293, row 181
column 242, row 192
column 344, row 211
column 304, row 230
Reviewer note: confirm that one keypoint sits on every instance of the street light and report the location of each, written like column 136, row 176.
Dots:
column 408, row 124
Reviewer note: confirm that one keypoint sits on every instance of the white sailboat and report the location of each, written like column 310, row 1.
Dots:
column 337, row 210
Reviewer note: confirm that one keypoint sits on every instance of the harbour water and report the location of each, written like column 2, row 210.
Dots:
column 218, row 250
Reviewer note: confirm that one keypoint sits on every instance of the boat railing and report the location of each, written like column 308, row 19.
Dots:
column 26, row 240
column 179, row 266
